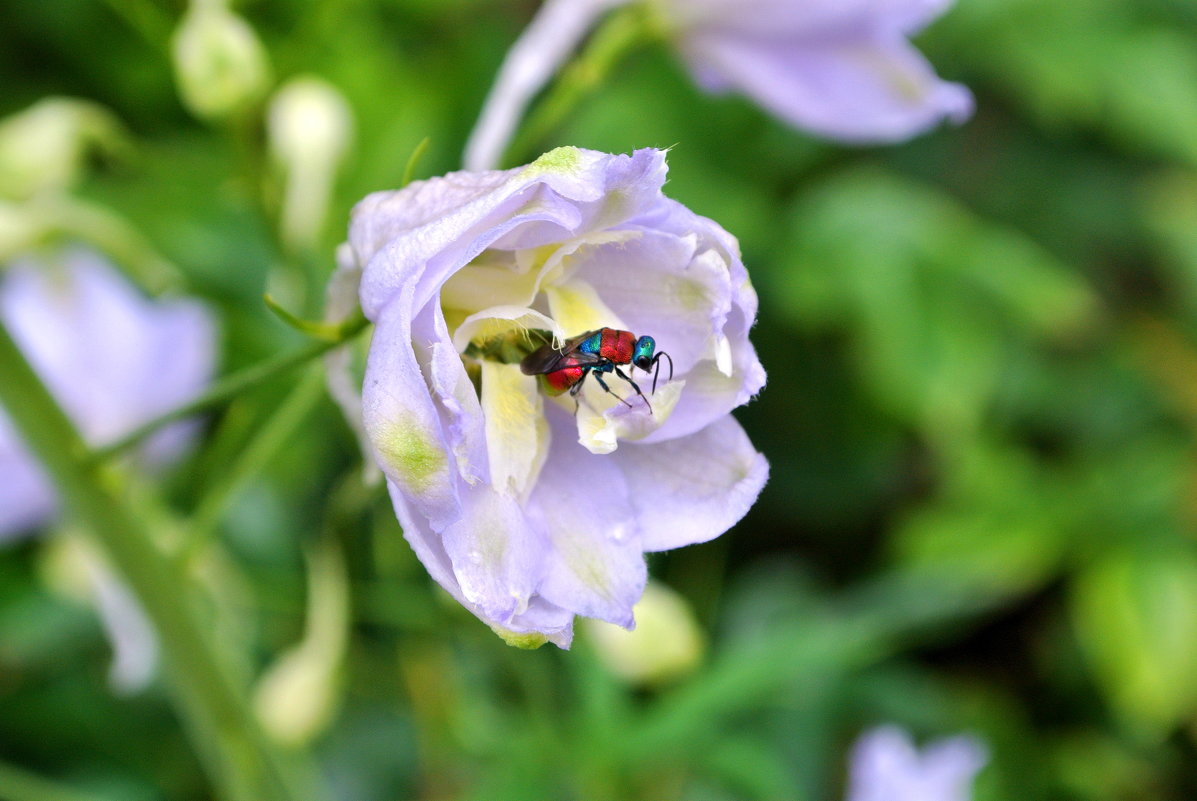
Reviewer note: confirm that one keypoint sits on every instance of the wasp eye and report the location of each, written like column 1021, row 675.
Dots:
column 644, row 363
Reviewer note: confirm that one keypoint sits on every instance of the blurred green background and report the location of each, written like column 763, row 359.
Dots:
column 982, row 401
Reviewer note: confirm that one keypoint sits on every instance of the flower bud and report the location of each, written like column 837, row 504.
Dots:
column 666, row 643
column 309, row 128
column 297, row 696
column 20, row 229
column 220, row 65
column 74, row 569
column 43, row 147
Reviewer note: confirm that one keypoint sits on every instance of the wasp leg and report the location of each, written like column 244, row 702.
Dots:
column 576, row 388
column 606, row 388
column 643, row 397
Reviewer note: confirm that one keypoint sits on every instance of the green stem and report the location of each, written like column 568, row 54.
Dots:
column 233, row 385
column 264, row 444
column 623, row 32
column 211, row 704
column 18, row 784
column 153, row 24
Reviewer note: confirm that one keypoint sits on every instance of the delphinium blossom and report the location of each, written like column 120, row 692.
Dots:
column 886, row 766
column 841, row 69
column 531, row 508
column 113, row 360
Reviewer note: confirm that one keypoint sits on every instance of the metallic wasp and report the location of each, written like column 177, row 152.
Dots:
column 595, row 352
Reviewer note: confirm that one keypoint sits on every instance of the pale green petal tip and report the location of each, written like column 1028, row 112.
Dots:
column 529, row 641
column 559, row 159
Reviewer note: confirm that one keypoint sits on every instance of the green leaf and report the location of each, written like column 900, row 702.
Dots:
column 1135, row 616
column 934, row 297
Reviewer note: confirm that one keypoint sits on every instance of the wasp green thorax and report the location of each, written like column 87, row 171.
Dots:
column 510, row 347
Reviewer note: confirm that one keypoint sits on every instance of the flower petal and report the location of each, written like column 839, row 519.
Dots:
column 660, row 285
column 539, row 622
column 603, row 420
column 27, row 498
column 584, row 506
column 429, row 230
column 693, row 488
column 497, row 557
column 711, row 393
column 134, row 643
column 873, row 87
column 344, row 383
column 402, row 421
column 517, row 435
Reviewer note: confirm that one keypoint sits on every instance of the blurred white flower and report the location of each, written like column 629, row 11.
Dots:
column 220, row 65
column 886, row 766
column 297, row 696
column 666, row 643
column 309, row 128
column 75, row 569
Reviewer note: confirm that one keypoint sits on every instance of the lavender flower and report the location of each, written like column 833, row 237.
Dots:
column 886, row 766
column 525, row 513
column 843, row 69
column 113, row 360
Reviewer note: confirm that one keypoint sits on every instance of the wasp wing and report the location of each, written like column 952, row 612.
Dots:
column 547, row 359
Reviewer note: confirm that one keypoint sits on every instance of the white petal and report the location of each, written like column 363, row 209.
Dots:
column 517, row 434
column 134, row 644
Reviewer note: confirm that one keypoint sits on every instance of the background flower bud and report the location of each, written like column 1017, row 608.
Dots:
column 43, row 147
column 666, row 643
column 220, row 65
column 309, row 128
column 298, row 695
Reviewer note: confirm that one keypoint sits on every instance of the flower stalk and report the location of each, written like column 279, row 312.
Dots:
column 240, row 762
column 620, row 34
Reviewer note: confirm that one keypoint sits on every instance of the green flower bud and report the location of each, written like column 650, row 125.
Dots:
column 43, row 147
column 298, row 695
column 220, row 65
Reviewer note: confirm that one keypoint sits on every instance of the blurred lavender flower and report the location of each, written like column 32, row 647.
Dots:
column 524, row 513
column 886, row 766
column 843, row 69
column 113, row 360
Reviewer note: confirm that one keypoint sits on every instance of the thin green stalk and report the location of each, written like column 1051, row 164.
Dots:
column 18, row 784
column 211, row 703
column 623, row 32
column 266, row 442
column 153, row 24
column 233, row 385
